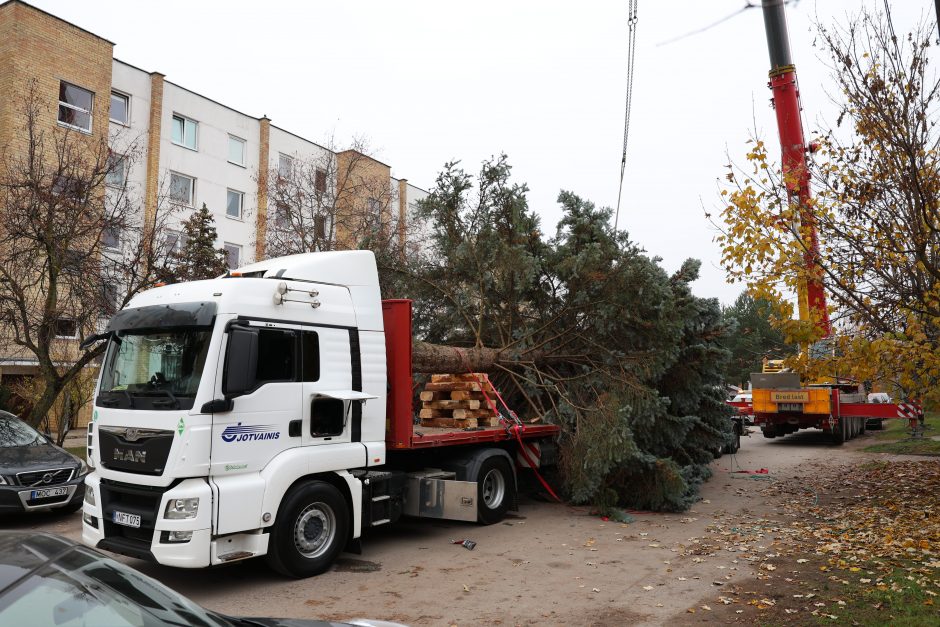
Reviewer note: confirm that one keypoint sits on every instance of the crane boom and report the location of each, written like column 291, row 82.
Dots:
column 786, row 100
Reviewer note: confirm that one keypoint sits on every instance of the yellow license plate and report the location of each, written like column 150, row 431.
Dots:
column 789, row 397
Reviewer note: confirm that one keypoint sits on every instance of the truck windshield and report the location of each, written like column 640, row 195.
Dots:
column 156, row 369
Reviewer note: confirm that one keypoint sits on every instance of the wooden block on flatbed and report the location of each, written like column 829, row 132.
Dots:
column 464, row 395
column 453, row 378
column 449, row 423
column 427, row 396
column 449, row 404
column 467, row 386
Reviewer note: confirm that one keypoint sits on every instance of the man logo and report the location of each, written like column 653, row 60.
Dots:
column 131, row 434
column 127, row 455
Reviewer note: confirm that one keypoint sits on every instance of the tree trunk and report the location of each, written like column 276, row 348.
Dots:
column 438, row 359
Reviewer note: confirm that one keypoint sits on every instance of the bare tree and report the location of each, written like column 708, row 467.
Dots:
column 76, row 244
column 330, row 201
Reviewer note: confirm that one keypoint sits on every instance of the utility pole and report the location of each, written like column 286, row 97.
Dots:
column 786, row 101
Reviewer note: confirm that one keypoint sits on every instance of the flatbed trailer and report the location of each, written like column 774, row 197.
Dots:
column 402, row 434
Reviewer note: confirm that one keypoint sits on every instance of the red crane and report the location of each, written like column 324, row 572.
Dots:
column 786, row 101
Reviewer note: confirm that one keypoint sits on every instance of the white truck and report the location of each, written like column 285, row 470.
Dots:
column 269, row 412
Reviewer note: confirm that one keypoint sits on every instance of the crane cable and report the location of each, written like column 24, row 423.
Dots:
column 631, row 56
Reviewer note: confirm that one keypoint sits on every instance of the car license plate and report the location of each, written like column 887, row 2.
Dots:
column 128, row 520
column 790, row 407
column 47, row 493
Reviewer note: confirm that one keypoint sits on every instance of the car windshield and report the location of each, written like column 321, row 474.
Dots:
column 159, row 364
column 83, row 589
column 14, row 432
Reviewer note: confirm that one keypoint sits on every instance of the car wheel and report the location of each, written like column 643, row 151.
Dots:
column 496, row 488
column 311, row 529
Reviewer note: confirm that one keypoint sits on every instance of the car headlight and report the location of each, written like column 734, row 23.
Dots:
column 83, row 468
column 90, row 496
column 2, row 480
column 182, row 508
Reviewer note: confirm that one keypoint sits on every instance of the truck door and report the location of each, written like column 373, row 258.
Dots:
column 261, row 378
column 327, row 365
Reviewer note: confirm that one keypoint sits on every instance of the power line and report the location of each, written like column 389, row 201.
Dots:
column 631, row 56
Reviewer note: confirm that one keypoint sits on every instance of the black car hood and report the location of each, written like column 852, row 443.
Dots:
column 40, row 457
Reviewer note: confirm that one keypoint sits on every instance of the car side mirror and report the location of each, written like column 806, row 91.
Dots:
column 241, row 362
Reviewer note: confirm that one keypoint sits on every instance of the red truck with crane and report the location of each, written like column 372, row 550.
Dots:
column 781, row 403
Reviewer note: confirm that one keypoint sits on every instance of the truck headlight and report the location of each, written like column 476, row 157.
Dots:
column 90, row 496
column 182, row 508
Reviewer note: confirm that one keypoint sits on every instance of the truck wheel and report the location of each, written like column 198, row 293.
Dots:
column 495, row 490
column 839, row 433
column 769, row 431
column 311, row 529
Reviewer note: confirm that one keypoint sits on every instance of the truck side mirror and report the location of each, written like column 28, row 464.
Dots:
column 241, row 362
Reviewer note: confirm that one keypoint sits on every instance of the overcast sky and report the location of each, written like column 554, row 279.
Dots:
column 543, row 81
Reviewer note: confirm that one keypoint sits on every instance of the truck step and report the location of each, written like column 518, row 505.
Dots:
column 383, row 497
column 237, row 555
column 384, row 521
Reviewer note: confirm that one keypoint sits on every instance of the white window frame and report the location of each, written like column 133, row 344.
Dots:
column 117, row 239
column 290, row 162
column 238, row 247
column 65, row 337
column 241, row 204
column 89, row 112
column 192, row 190
column 124, row 169
column 244, row 144
column 179, row 241
column 127, row 108
column 186, row 120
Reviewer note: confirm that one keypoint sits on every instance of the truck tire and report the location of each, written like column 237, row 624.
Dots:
column 839, row 433
column 769, row 431
column 311, row 529
column 495, row 490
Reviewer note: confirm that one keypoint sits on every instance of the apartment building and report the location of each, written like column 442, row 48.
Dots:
column 175, row 145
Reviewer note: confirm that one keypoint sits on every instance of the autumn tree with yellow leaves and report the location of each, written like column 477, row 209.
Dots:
column 875, row 176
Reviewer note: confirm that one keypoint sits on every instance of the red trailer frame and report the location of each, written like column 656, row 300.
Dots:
column 401, row 432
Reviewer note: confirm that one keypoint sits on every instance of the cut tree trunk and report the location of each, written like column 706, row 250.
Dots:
column 438, row 359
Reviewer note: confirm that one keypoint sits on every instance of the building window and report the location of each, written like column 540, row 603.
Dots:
column 233, row 255
column 285, row 165
column 66, row 187
column 281, row 215
column 319, row 181
column 233, row 204
column 117, row 171
column 319, row 227
column 175, row 241
column 65, row 328
column 111, row 237
column 120, row 108
column 375, row 207
column 184, row 131
column 236, row 150
column 75, row 106
column 182, row 189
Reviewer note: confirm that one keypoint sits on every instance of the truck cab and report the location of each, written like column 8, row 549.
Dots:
column 216, row 396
